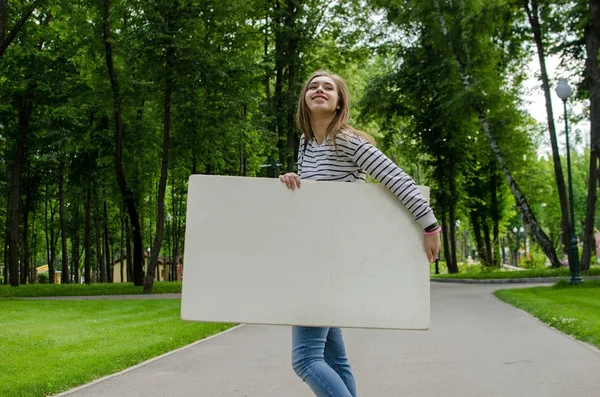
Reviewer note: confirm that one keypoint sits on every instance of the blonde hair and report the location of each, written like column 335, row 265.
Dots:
column 339, row 124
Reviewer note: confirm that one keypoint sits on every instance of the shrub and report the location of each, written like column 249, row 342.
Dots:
column 535, row 260
column 43, row 278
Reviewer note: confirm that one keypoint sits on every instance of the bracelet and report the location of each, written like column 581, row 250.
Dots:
column 432, row 227
column 434, row 231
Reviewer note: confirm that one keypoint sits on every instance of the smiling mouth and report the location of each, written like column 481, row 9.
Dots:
column 319, row 97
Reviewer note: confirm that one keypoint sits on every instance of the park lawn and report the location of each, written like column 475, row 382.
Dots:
column 52, row 346
column 36, row 290
column 479, row 273
column 574, row 310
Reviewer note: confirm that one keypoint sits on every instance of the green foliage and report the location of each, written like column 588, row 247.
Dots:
column 75, row 342
column 574, row 310
column 486, row 273
column 535, row 260
column 238, row 68
column 42, row 278
column 37, row 290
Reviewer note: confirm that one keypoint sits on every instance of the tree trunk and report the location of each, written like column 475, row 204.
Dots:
column 52, row 261
column 162, row 186
column 106, row 243
column 452, row 214
column 25, row 109
column 30, row 192
column 447, row 249
column 122, row 245
column 174, row 228
column 169, row 253
column 129, row 253
column 32, row 269
column 589, row 237
column 266, row 61
column 279, row 103
column 100, row 265
column 529, row 218
column 47, row 228
column 478, row 238
column 489, row 258
column 63, row 225
column 25, row 268
column 592, row 74
column 75, row 247
column 126, row 192
column 496, row 255
column 292, row 137
column 6, row 244
column 443, row 201
column 87, row 234
column 533, row 16
column 178, row 228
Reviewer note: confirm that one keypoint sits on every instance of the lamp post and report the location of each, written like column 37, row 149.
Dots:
column 563, row 90
column 518, row 233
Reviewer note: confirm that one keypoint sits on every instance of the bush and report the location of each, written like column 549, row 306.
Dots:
column 535, row 260
column 43, row 278
column 462, row 267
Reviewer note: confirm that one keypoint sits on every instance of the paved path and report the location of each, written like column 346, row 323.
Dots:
column 477, row 346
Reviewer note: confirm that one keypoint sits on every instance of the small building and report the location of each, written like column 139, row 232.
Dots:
column 45, row 269
column 162, row 272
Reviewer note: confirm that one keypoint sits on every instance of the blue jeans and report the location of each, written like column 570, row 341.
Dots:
column 319, row 359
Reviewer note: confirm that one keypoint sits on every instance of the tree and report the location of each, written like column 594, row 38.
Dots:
column 170, row 58
column 528, row 216
column 532, row 9
column 592, row 74
column 126, row 192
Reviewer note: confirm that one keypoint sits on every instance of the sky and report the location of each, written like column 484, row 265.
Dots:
column 537, row 107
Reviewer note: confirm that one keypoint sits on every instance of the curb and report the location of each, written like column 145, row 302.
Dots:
column 532, row 280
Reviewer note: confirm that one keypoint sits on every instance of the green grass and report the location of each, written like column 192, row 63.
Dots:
column 52, row 346
column 574, row 310
column 35, row 290
column 477, row 273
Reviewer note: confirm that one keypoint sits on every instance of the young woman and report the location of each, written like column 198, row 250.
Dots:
column 331, row 150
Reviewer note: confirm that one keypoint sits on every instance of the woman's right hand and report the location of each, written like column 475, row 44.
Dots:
column 291, row 180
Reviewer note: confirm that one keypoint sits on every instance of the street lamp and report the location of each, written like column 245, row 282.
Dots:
column 518, row 233
column 563, row 90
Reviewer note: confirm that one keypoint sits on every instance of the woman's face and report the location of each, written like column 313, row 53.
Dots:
column 321, row 96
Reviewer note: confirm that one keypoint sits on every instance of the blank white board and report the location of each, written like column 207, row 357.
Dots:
column 329, row 254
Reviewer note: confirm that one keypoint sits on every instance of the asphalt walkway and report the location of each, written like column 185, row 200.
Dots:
column 477, row 346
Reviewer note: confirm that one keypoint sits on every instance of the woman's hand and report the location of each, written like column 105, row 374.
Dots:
column 432, row 246
column 291, row 180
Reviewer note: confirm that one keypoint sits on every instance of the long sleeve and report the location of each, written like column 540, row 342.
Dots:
column 380, row 167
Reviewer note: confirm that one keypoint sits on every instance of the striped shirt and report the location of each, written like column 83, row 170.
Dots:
column 355, row 158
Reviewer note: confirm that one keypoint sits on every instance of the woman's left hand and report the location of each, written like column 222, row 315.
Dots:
column 432, row 246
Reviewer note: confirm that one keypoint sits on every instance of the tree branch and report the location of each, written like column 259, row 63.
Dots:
column 5, row 42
